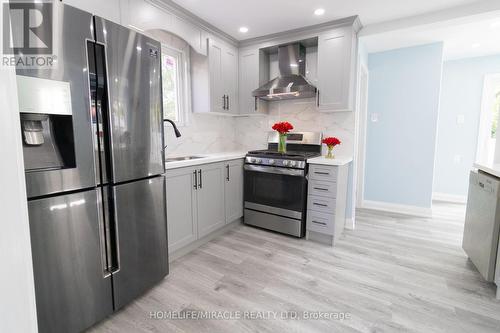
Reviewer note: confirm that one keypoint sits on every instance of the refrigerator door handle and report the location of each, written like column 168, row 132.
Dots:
column 102, row 236
column 112, row 232
column 117, row 267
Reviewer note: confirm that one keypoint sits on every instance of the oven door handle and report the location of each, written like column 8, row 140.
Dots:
column 275, row 170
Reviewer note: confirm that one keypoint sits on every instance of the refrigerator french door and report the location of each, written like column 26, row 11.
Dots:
column 94, row 171
column 127, row 93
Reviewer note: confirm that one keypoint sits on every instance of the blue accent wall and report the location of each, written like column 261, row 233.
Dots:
column 404, row 91
column 462, row 90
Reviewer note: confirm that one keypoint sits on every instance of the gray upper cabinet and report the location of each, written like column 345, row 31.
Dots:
column 210, row 198
column 214, row 79
column 337, row 69
column 215, row 59
column 234, row 190
column 331, row 67
column 181, row 207
column 230, row 79
column 253, row 71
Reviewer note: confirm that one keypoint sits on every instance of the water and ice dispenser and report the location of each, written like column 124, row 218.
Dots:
column 46, row 124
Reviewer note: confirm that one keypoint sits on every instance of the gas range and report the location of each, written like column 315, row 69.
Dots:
column 276, row 183
column 291, row 159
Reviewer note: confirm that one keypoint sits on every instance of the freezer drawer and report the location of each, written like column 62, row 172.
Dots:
column 482, row 223
column 140, row 217
column 73, row 290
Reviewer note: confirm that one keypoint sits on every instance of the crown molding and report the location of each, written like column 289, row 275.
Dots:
column 353, row 21
column 172, row 7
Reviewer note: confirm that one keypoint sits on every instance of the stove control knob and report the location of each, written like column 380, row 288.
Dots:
column 252, row 160
column 271, row 162
column 293, row 163
column 285, row 163
column 259, row 160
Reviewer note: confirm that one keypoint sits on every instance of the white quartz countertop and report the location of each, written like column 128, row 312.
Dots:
column 491, row 168
column 337, row 161
column 205, row 159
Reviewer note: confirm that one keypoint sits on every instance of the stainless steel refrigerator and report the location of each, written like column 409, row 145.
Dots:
column 93, row 149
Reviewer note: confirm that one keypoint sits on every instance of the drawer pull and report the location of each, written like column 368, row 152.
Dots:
column 320, row 189
column 321, row 173
column 318, row 204
column 321, row 223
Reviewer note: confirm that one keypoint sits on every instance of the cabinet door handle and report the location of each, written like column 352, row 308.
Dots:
column 321, row 173
column 200, row 185
column 195, row 180
column 317, row 99
column 256, row 106
column 321, row 223
column 318, row 204
column 227, row 167
column 228, row 107
column 320, row 189
column 223, row 102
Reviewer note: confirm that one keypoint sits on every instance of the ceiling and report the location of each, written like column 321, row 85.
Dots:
column 263, row 17
column 475, row 38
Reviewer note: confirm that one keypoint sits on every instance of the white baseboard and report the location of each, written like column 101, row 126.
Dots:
column 449, row 197
column 397, row 208
column 349, row 223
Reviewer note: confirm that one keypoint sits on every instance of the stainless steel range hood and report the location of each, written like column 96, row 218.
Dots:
column 292, row 82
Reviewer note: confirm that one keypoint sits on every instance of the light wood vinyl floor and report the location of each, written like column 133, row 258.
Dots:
column 393, row 273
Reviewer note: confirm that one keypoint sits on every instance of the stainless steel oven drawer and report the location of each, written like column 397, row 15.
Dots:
column 321, row 204
column 273, row 222
column 323, row 189
column 325, row 173
column 320, row 222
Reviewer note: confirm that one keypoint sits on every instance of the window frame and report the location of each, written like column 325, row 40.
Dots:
column 183, row 83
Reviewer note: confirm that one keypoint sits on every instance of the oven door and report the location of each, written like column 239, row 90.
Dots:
column 275, row 190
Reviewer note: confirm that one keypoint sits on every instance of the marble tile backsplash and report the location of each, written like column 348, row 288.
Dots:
column 204, row 134
column 212, row 134
column 304, row 116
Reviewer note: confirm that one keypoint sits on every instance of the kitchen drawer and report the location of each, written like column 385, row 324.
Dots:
column 321, row 204
column 321, row 172
column 323, row 189
column 320, row 222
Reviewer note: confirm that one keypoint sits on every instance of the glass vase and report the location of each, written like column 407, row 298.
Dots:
column 330, row 152
column 282, row 143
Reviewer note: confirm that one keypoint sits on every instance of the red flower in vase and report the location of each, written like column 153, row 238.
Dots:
column 331, row 141
column 283, row 127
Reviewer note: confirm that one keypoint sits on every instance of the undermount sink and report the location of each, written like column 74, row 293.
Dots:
column 182, row 158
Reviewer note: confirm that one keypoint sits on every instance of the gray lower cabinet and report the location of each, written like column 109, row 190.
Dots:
column 326, row 202
column 201, row 200
column 210, row 198
column 234, row 190
column 181, row 207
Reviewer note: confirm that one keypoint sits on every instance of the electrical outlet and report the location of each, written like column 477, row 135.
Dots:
column 460, row 119
column 374, row 117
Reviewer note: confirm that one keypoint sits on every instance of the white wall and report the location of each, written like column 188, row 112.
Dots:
column 17, row 294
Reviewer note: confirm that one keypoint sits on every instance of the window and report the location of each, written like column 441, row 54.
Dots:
column 495, row 112
column 174, row 69
column 490, row 112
